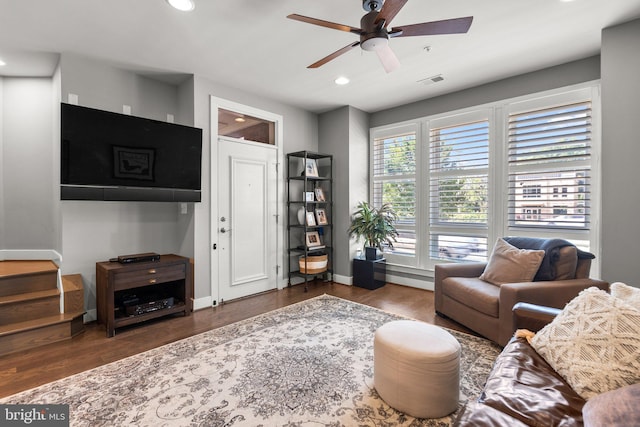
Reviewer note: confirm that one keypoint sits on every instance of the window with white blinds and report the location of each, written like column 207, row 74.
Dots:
column 520, row 167
column 549, row 158
column 394, row 182
column 458, row 190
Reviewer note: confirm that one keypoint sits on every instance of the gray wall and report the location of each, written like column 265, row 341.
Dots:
column 344, row 132
column 84, row 232
column 333, row 135
column 94, row 230
column 358, row 171
column 618, row 66
column 549, row 78
column 28, row 189
column 300, row 133
column 118, row 228
column 620, row 152
column 106, row 87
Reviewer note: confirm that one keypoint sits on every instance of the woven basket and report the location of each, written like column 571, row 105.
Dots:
column 313, row 264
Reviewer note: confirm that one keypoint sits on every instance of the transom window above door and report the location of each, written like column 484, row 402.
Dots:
column 242, row 126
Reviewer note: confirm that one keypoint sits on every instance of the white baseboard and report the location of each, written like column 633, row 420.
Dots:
column 343, row 280
column 90, row 316
column 200, row 303
column 419, row 283
column 409, row 281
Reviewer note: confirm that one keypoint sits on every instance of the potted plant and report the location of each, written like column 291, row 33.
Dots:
column 375, row 225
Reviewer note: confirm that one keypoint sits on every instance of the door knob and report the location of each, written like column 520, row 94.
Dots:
column 224, row 230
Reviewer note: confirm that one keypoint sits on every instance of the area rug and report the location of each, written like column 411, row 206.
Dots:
column 308, row 364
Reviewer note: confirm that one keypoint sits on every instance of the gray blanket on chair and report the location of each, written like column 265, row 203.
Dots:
column 551, row 248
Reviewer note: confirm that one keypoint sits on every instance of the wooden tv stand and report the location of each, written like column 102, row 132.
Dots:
column 140, row 283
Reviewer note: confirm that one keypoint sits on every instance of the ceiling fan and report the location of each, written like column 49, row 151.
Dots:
column 375, row 31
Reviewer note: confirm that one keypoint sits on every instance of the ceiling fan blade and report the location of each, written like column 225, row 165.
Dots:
column 325, row 24
column 447, row 26
column 334, row 55
column 389, row 10
column 388, row 58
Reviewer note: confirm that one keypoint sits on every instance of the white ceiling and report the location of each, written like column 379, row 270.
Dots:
column 250, row 44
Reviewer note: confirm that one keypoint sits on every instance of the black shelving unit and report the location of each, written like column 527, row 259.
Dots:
column 299, row 183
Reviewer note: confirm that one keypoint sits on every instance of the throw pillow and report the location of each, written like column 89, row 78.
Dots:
column 509, row 264
column 594, row 343
column 627, row 293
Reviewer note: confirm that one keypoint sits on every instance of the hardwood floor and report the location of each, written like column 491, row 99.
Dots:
column 27, row 369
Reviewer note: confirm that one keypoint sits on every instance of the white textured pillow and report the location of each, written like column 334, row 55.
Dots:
column 629, row 294
column 594, row 343
column 509, row 264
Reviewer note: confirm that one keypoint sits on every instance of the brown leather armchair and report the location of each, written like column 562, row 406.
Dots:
column 487, row 308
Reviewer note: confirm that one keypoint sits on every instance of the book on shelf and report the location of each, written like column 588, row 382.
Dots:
column 311, row 248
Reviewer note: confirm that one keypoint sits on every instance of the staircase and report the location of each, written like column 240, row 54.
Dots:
column 34, row 309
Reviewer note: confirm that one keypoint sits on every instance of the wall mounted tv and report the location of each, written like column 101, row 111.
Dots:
column 110, row 156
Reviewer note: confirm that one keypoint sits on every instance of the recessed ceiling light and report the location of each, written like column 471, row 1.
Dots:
column 2, row 63
column 183, row 5
column 342, row 80
column 240, row 119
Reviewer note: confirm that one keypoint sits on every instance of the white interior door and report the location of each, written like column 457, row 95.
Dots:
column 247, row 222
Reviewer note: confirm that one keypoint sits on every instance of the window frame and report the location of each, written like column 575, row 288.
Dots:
column 549, row 99
column 391, row 131
column 460, row 229
column 498, row 171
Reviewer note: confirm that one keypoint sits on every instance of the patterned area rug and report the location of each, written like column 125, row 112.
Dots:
column 309, row 364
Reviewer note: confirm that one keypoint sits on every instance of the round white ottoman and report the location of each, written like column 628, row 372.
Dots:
column 417, row 368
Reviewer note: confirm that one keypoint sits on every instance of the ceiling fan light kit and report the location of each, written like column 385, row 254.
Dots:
column 375, row 32
column 376, row 39
column 182, row 5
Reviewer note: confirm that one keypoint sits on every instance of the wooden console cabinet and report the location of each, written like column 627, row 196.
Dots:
column 136, row 284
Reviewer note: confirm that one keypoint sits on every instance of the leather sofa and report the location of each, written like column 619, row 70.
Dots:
column 459, row 293
column 523, row 390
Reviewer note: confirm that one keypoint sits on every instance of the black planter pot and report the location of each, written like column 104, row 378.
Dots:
column 370, row 253
column 369, row 274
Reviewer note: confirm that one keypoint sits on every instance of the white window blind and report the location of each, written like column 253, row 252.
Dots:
column 394, row 182
column 549, row 157
column 520, row 167
column 458, row 190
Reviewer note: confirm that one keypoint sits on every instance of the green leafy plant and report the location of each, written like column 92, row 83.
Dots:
column 375, row 225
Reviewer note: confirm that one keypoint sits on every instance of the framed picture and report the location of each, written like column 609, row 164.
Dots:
column 133, row 163
column 321, row 217
column 319, row 195
column 312, row 239
column 311, row 220
column 311, row 168
column 308, row 196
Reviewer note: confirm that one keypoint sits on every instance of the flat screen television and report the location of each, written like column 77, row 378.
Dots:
column 111, row 156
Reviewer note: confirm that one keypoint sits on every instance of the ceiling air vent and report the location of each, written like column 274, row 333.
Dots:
column 432, row 79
